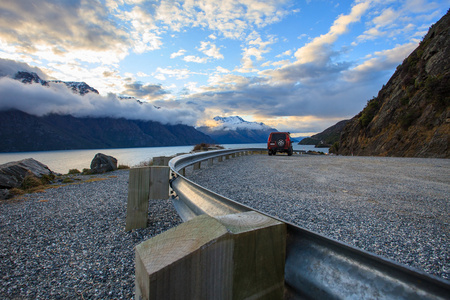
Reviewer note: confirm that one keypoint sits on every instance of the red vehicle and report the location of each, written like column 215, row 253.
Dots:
column 279, row 142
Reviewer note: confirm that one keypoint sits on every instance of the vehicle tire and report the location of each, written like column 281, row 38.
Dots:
column 291, row 151
column 270, row 153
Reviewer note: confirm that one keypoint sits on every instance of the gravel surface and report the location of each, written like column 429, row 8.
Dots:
column 69, row 242
column 398, row 208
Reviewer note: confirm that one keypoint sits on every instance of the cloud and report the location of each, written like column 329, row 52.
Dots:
column 40, row 100
column 11, row 67
column 62, row 30
column 383, row 60
column 319, row 49
column 145, row 91
column 176, row 73
column 196, row 59
column 210, row 50
column 178, row 53
column 231, row 18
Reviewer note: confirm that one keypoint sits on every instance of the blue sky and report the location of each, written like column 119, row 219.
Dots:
column 298, row 66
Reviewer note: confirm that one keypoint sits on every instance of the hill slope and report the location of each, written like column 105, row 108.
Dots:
column 24, row 132
column 327, row 137
column 411, row 114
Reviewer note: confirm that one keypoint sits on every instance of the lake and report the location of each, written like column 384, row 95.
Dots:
column 62, row 161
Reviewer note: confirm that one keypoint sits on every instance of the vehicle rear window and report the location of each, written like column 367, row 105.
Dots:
column 277, row 136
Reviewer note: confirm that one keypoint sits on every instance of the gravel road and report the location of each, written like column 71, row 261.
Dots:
column 398, row 208
column 69, row 242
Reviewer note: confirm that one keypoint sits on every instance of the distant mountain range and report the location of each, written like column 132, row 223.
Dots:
column 235, row 130
column 24, row 132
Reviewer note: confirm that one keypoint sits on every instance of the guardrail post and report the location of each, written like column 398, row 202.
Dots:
column 161, row 160
column 144, row 184
column 220, row 159
column 210, row 162
column 238, row 256
column 197, row 165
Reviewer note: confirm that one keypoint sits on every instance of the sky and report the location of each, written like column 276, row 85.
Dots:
column 298, row 66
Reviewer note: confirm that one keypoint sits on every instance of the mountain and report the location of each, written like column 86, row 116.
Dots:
column 327, row 137
column 235, row 130
column 77, row 87
column 24, row 132
column 410, row 116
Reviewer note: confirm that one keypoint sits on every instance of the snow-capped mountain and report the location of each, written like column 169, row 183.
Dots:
column 77, row 87
column 81, row 88
column 235, row 130
column 236, row 122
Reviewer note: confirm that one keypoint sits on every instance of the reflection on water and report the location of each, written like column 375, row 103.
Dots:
column 62, row 160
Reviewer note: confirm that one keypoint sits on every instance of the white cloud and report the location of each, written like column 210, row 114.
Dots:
column 59, row 99
column 285, row 53
column 178, row 53
column 176, row 73
column 210, row 50
column 222, row 70
column 318, row 50
column 382, row 60
column 196, row 59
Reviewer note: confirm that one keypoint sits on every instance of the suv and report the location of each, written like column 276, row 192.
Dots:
column 279, row 142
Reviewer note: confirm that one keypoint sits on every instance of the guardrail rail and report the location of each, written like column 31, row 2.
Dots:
column 316, row 267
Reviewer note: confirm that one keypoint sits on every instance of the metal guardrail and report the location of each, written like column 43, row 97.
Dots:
column 317, row 267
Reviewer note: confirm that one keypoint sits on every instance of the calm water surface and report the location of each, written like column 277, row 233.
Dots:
column 62, row 161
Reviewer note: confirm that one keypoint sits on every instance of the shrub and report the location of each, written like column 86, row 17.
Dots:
column 46, row 179
column 121, row 167
column 369, row 112
column 30, row 181
column 87, row 171
column 67, row 180
column 407, row 119
column 74, row 171
column 334, row 148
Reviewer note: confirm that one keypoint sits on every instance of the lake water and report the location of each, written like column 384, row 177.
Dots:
column 62, row 161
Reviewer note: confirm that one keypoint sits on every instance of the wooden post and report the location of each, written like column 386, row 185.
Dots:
column 144, row 184
column 238, row 256
column 210, row 162
column 197, row 165
column 220, row 159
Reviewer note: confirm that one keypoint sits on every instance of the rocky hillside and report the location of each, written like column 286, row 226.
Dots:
column 24, row 132
column 327, row 137
column 411, row 115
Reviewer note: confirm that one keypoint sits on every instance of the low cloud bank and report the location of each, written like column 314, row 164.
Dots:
column 40, row 100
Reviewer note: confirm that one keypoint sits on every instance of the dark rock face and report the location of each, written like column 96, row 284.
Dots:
column 103, row 163
column 411, row 115
column 13, row 173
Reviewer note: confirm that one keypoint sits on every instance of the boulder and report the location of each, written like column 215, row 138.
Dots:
column 103, row 163
column 13, row 173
